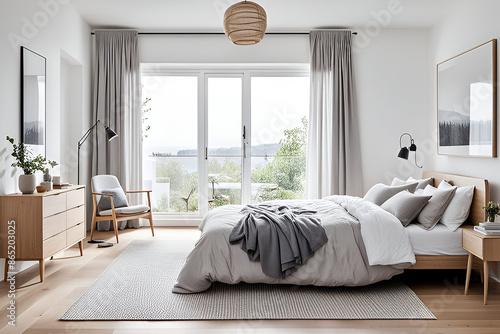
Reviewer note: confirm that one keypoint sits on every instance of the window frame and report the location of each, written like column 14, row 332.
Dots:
column 203, row 72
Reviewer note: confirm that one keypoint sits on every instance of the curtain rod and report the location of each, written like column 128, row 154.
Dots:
column 219, row 33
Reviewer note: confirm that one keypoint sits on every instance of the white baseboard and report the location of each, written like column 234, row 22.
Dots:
column 173, row 221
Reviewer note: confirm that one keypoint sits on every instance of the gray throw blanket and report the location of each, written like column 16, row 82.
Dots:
column 281, row 237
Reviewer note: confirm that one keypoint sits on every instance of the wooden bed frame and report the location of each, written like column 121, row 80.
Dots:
column 477, row 215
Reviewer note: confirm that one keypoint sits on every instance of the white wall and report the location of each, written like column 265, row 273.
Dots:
column 392, row 85
column 48, row 27
column 390, row 72
column 218, row 49
column 468, row 25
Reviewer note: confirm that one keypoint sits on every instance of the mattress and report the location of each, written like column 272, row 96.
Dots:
column 438, row 241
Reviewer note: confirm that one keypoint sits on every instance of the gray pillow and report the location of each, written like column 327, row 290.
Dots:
column 380, row 193
column 405, row 206
column 433, row 211
column 119, row 199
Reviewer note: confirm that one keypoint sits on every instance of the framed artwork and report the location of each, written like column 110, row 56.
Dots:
column 467, row 103
column 33, row 93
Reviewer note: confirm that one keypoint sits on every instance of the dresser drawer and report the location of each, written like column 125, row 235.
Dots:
column 54, row 244
column 75, row 216
column 472, row 244
column 75, row 234
column 53, row 225
column 54, row 204
column 75, row 198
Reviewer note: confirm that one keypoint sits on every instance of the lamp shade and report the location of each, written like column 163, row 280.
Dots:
column 413, row 147
column 403, row 153
column 245, row 23
column 110, row 133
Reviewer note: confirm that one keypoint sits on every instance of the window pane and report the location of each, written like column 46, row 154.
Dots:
column 224, row 141
column 170, row 137
column 280, row 107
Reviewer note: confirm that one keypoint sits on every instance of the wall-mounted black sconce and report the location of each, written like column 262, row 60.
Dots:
column 405, row 151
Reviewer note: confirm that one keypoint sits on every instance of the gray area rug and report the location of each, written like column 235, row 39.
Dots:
column 137, row 286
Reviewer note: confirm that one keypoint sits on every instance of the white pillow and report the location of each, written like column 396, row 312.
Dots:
column 397, row 182
column 422, row 183
column 433, row 211
column 458, row 210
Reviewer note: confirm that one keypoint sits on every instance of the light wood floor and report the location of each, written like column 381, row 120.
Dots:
column 39, row 305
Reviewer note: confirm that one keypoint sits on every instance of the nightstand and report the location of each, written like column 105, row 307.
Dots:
column 486, row 248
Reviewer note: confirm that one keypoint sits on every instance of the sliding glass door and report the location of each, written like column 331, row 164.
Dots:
column 213, row 138
column 170, row 141
column 280, row 107
column 223, row 150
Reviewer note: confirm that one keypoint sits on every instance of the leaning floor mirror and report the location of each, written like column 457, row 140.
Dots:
column 33, row 93
column 467, row 103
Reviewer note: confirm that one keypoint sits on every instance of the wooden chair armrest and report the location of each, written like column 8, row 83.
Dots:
column 101, row 194
column 137, row 191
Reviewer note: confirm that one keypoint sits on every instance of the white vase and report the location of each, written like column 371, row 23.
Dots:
column 27, row 183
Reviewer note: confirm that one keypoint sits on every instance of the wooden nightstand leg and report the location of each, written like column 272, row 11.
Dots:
column 481, row 271
column 467, row 277
column 80, row 244
column 495, row 268
column 41, row 264
column 486, row 267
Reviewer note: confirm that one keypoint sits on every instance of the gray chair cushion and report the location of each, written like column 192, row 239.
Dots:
column 380, row 193
column 127, row 210
column 405, row 206
column 433, row 211
column 119, row 199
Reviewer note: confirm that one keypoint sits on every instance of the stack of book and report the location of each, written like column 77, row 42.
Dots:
column 488, row 228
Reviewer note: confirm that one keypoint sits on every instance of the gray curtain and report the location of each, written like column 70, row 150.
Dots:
column 333, row 153
column 117, row 103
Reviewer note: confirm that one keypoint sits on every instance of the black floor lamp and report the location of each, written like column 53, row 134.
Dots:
column 109, row 133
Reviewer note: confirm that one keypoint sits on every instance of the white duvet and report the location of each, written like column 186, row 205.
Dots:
column 365, row 245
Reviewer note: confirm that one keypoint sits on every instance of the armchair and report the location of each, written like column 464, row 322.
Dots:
column 101, row 184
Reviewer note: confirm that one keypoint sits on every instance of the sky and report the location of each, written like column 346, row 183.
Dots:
column 277, row 103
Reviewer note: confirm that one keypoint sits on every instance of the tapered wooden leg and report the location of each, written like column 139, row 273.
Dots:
column 486, row 276
column 482, row 274
column 495, row 268
column 41, row 264
column 115, row 225
column 6, row 270
column 92, row 228
column 467, row 277
column 80, row 245
column 151, row 224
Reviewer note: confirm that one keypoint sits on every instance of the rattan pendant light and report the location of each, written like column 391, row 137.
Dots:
column 245, row 23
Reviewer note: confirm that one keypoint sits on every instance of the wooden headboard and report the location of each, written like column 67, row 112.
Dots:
column 481, row 194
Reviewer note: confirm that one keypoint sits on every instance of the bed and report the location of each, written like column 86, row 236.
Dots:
column 366, row 244
column 448, row 258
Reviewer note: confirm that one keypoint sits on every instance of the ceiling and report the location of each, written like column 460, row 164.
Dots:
column 283, row 15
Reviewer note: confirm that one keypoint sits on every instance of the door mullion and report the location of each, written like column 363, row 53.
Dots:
column 247, row 141
column 202, row 144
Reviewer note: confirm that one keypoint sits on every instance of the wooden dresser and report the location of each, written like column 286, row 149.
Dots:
column 45, row 223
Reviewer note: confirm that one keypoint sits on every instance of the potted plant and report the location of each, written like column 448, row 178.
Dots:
column 29, row 164
column 492, row 210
